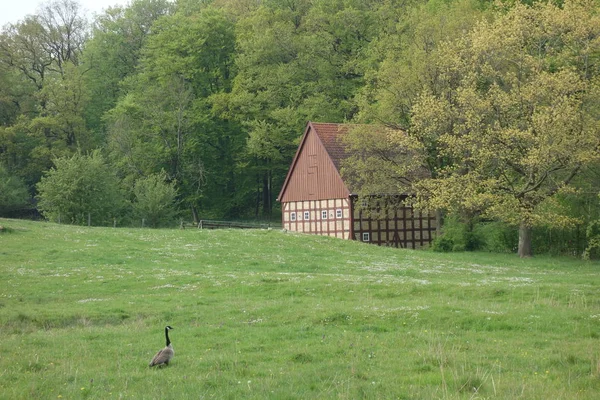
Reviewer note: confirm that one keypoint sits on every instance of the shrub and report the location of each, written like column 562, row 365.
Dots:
column 497, row 237
column 79, row 187
column 457, row 236
column 155, row 200
column 592, row 251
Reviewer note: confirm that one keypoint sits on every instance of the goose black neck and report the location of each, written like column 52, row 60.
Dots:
column 167, row 336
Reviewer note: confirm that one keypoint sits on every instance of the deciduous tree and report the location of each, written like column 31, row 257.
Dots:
column 518, row 114
column 166, row 121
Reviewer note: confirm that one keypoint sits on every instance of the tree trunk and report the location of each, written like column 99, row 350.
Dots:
column 525, row 233
column 195, row 215
column 258, row 196
column 266, row 194
column 439, row 220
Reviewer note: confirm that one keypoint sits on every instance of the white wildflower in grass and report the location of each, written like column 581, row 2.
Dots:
column 287, row 316
column 167, row 286
column 90, row 300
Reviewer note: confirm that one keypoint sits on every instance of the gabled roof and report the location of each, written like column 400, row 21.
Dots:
column 330, row 135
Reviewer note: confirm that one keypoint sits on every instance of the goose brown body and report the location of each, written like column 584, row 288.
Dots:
column 166, row 354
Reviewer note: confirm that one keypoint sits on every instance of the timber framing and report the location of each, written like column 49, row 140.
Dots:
column 316, row 200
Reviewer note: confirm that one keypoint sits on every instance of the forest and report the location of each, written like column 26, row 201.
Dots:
column 189, row 109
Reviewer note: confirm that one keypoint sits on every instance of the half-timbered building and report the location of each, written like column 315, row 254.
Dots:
column 316, row 200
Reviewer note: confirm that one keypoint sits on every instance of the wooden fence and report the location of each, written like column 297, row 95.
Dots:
column 209, row 224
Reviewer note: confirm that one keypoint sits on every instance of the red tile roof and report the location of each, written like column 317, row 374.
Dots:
column 331, row 137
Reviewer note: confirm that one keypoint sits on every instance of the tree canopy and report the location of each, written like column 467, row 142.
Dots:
column 486, row 109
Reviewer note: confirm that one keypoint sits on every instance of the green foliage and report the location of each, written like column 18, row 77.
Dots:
column 165, row 121
column 403, row 60
column 457, row 236
column 471, row 235
column 496, row 237
column 592, row 251
column 113, row 51
column 295, row 62
column 78, row 188
column 393, row 157
column 155, row 200
column 216, row 93
column 592, row 233
column 517, row 134
column 65, row 98
column 13, row 192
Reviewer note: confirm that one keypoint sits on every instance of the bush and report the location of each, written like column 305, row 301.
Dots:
column 497, row 237
column 155, row 200
column 78, row 187
column 489, row 236
column 592, row 251
column 457, row 236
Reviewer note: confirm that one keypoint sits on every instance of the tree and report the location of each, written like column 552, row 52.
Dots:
column 296, row 61
column 113, row 51
column 78, row 188
column 44, row 92
column 517, row 114
column 22, row 49
column 64, row 31
column 61, row 123
column 166, row 122
column 41, row 44
column 155, row 200
column 401, row 63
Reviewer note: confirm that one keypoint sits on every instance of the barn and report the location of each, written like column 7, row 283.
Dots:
column 316, row 200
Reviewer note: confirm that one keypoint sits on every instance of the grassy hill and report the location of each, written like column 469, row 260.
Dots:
column 268, row 314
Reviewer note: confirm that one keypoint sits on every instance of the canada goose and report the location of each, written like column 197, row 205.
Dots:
column 164, row 356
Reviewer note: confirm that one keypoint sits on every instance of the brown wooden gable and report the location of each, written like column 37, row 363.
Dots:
column 314, row 173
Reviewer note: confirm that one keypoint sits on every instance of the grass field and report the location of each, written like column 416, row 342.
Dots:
column 274, row 315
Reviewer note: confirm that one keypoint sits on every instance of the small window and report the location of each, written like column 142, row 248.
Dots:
column 338, row 213
column 293, row 216
column 366, row 237
column 306, row 215
column 323, row 214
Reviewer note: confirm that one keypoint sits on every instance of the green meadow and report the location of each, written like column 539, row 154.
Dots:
column 266, row 314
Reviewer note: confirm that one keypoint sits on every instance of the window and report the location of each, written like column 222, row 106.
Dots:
column 324, row 214
column 366, row 237
column 338, row 213
column 293, row 216
column 306, row 215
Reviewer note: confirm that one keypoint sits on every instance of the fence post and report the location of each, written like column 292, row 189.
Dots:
column 143, row 222
column 200, row 224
